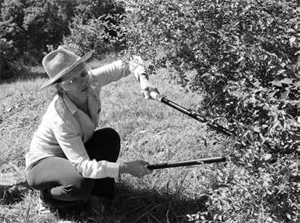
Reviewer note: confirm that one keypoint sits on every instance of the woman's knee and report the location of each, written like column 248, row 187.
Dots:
column 114, row 141
column 111, row 138
column 31, row 183
column 104, row 145
column 112, row 135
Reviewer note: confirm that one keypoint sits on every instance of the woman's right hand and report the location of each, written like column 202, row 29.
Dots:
column 135, row 168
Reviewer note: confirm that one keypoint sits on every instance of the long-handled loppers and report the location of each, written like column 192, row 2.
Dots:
column 199, row 118
column 186, row 163
column 191, row 113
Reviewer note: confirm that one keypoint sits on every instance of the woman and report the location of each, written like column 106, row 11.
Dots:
column 68, row 160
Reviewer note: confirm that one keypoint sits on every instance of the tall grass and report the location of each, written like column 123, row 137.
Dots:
column 149, row 130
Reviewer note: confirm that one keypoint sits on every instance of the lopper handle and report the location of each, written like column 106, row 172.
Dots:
column 186, row 163
column 190, row 113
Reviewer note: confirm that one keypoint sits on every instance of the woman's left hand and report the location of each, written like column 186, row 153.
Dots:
column 137, row 67
column 147, row 88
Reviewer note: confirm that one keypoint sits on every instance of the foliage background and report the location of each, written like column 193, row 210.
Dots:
column 242, row 57
column 245, row 61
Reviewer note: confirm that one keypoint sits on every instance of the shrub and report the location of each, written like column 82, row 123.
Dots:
column 31, row 27
column 245, row 58
column 95, row 34
column 5, row 57
column 9, row 66
column 96, row 25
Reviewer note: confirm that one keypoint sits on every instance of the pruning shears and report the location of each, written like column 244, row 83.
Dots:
column 191, row 114
column 199, row 118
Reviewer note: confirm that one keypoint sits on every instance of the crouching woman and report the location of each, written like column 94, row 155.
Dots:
column 69, row 160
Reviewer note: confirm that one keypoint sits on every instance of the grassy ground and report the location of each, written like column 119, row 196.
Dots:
column 149, row 130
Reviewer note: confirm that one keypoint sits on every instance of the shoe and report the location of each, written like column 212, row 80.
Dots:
column 44, row 208
column 96, row 204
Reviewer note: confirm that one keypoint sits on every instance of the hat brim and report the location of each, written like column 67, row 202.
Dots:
column 67, row 70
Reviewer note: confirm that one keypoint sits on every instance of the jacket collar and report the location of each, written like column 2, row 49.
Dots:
column 70, row 105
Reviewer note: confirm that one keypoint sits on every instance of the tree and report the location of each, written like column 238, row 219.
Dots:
column 31, row 27
column 245, row 58
column 96, row 26
column 46, row 22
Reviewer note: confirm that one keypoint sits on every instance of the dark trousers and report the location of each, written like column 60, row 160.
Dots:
column 60, row 183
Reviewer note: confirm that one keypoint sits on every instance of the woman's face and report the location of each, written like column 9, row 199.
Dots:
column 76, row 83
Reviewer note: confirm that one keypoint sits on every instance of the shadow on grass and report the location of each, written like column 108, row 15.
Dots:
column 131, row 205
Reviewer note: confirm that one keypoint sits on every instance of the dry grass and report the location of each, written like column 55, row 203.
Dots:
column 149, row 130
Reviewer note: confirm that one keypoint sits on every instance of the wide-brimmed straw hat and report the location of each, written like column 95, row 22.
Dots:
column 60, row 62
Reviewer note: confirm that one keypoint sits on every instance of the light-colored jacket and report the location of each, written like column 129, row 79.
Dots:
column 64, row 128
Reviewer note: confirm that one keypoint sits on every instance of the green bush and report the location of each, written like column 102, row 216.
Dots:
column 27, row 27
column 99, row 34
column 6, row 56
column 245, row 58
column 32, row 27
column 9, row 66
column 95, row 25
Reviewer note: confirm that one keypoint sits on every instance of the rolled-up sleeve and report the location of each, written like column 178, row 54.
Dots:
column 111, row 72
column 69, row 139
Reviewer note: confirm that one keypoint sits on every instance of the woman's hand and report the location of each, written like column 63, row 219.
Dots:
column 136, row 66
column 135, row 168
column 147, row 88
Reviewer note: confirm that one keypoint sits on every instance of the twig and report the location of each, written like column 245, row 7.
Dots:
column 28, row 209
column 137, row 220
column 177, row 192
column 264, row 9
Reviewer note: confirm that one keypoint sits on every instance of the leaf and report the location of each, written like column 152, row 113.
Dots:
column 256, row 128
column 286, row 81
column 285, row 94
column 281, row 71
column 297, row 84
column 206, row 75
column 279, row 83
column 292, row 40
column 276, row 83
column 290, row 31
column 268, row 156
